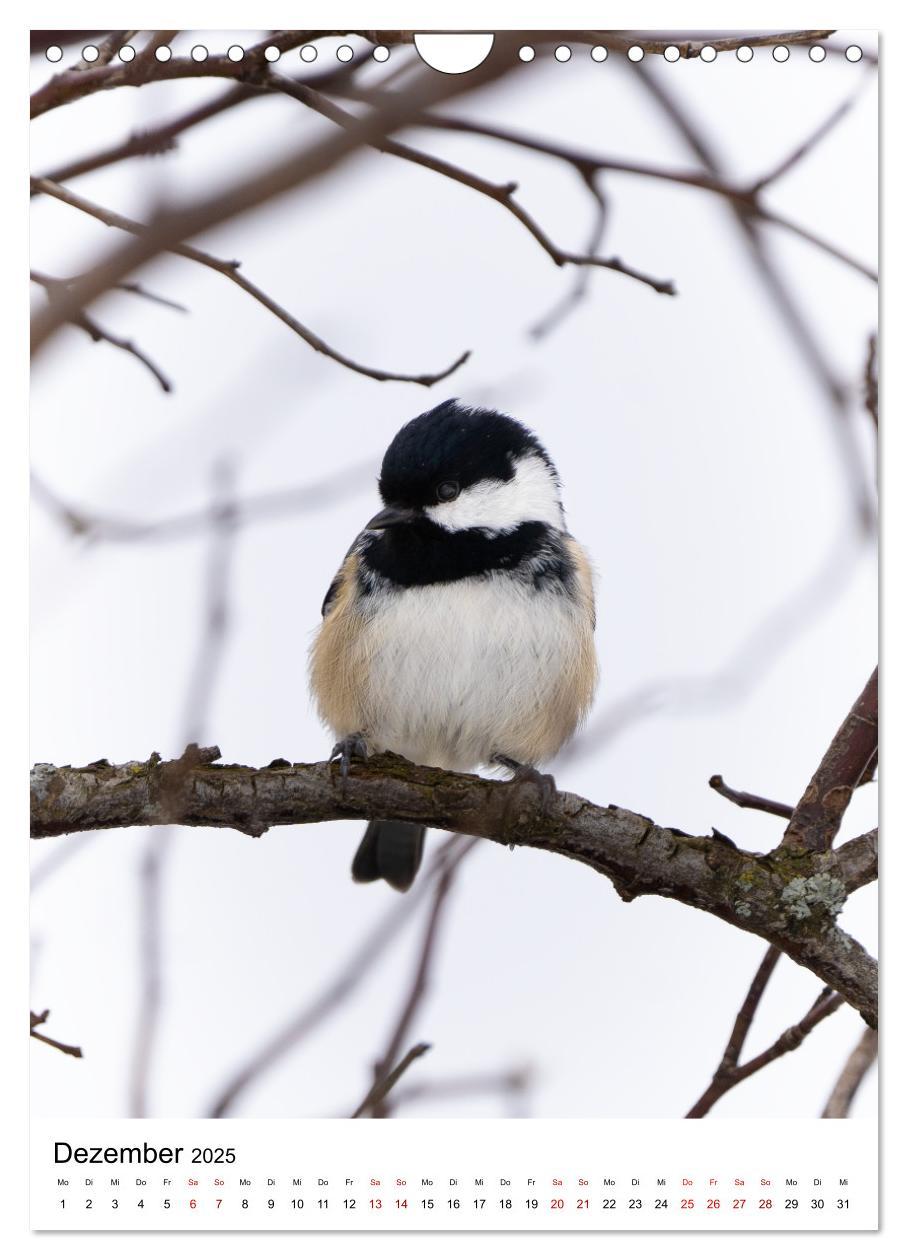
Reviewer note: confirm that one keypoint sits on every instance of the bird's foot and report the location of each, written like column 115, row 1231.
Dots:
column 523, row 775
column 348, row 748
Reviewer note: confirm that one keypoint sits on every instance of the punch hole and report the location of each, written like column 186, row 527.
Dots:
column 345, row 53
column 272, row 53
column 599, row 53
column 817, row 53
column 127, row 53
column 308, row 53
column 707, row 53
column 163, row 53
column 455, row 53
column 853, row 53
column 635, row 53
column 90, row 53
column 54, row 53
column 672, row 53
column 780, row 53
column 526, row 53
column 745, row 54
column 562, row 53
column 381, row 52
column 235, row 53
column 198, row 52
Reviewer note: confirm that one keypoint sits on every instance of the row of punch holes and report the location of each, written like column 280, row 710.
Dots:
column 308, row 53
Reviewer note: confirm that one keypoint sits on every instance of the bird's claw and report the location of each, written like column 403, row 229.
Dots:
column 520, row 774
column 348, row 748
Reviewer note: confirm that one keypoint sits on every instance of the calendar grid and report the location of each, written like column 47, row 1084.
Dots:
column 485, row 1175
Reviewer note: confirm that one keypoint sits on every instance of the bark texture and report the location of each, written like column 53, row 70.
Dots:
column 789, row 897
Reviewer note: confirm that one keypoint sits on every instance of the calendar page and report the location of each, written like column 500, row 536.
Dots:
column 453, row 635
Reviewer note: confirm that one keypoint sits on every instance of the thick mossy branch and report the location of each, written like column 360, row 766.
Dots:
column 790, row 897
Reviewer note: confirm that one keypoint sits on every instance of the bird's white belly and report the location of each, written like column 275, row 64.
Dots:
column 456, row 673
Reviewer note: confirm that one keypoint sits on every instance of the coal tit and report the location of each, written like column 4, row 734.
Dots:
column 458, row 631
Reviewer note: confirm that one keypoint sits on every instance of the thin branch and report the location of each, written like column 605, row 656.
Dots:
column 583, row 279
column 503, row 194
column 736, row 678
column 197, row 705
column 385, row 1084
column 88, row 324
column 70, row 85
column 89, row 524
column 790, row 898
column 857, row 1065
column 745, row 197
column 775, row 280
column 804, row 148
column 727, row 1078
column 315, row 1011
column 165, row 137
column 511, row 1082
column 230, row 269
column 139, row 290
column 416, row 991
column 301, row 166
column 36, row 1020
column 747, row 800
column 871, row 382
column 745, row 1017
column 845, row 764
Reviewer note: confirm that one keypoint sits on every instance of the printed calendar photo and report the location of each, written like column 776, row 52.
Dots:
column 453, row 635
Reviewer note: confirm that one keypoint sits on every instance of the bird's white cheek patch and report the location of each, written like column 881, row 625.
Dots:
column 531, row 495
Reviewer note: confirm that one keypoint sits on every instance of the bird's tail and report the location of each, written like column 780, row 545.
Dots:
column 391, row 851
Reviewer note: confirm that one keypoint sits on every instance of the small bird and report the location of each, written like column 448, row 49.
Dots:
column 458, row 632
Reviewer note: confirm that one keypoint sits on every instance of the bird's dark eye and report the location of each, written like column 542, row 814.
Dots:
column 447, row 491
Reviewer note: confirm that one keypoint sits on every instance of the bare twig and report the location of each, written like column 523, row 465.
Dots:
column 301, row 166
column 385, row 1084
column 69, row 85
column 231, row 270
column 514, row 1081
column 417, row 989
column 88, row 524
column 503, row 194
column 779, row 289
column 747, row 800
column 790, row 898
column 798, row 154
column 582, row 280
column 157, row 849
column 857, row 1065
column 871, row 382
column 731, row 1074
column 746, row 665
column 88, row 324
column 743, row 196
column 36, row 1020
column 165, row 137
column 845, row 765
column 303, row 1022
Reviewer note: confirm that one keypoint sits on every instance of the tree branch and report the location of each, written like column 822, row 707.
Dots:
column 36, row 1020
column 747, row 800
column 231, row 269
column 728, row 1076
column 846, row 763
column 790, row 897
column 385, row 1084
column 302, row 166
column 857, row 1065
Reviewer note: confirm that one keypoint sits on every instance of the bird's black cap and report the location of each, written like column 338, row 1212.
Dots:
column 453, row 442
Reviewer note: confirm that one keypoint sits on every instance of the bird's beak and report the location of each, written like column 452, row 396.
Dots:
column 393, row 516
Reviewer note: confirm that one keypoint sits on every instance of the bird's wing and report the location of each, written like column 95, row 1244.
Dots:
column 342, row 575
